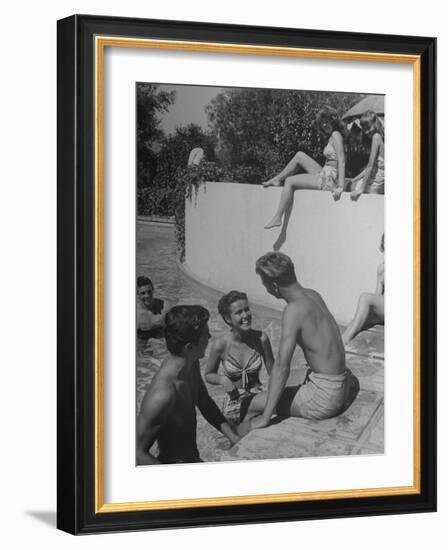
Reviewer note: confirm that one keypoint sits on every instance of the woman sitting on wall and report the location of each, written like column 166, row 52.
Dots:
column 330, row 177
column 370, row 310
column 371, row 179
column 241, row 353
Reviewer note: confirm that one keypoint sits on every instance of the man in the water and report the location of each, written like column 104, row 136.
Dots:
column 307, row 323
column 150, row 315
column 168, row 411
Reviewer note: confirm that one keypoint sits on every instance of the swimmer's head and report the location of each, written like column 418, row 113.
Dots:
column 234, row 309
column 328, row 121
column 371, row 124
column 276, row 270
column 186, row 330
column 145, row 290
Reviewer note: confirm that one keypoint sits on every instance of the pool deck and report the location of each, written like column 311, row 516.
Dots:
column 358, row 430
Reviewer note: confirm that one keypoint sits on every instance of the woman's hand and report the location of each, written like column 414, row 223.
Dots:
column 355, row 194
column 228, row 385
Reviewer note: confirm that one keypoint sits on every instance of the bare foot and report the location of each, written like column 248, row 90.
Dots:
column 273, row 182
column 275, row 222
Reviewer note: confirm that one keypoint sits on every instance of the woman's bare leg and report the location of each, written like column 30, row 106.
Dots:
column 370, row 309
column 292, row 184
column 299, row 160
column 255, row 408
column 283, row 233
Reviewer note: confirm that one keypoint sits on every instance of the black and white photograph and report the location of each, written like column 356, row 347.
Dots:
column 260, row 277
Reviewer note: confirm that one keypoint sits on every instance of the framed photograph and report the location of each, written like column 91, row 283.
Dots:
column 228, row 200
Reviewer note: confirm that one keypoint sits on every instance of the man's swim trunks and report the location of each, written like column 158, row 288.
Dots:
column 321, row 395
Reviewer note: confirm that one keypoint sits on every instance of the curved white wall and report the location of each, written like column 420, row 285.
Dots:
column 334, row 246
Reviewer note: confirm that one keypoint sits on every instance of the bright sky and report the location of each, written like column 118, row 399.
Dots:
column 189, row 106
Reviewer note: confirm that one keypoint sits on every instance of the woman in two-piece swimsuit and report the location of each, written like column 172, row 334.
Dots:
column 370, row 310
column 329, row 177
column 241, row 354
column 371, row 179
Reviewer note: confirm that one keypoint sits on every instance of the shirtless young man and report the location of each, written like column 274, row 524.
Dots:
column 168, row 411
column 307, row 323
column 150, row 314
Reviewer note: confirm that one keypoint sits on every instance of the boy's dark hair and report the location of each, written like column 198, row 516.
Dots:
column 142, row 280
column 227, row 300
column 184, row 325
column 276, row 267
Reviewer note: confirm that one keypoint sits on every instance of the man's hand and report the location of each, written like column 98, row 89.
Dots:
column 229, row 432
column 258, row 422
column 156, row 306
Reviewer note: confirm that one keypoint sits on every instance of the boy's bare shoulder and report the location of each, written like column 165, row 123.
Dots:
column 295, row 311
column 166, row 374
column 161, row 393
column 315, row 297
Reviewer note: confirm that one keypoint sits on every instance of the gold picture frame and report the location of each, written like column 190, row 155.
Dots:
column 81, row 462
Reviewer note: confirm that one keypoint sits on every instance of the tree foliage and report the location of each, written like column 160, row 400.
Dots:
column 152, row 103
column 264, row 128
column 162, row 196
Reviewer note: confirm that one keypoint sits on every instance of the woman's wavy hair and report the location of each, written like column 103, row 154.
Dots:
column 370, row 120
column 328, row 114
column 227, row 300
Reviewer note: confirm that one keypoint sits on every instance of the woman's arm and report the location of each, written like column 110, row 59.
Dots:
column 374, row 150
column 359, row 176
column 268, row 356
column 338, row 143
column 211, row 369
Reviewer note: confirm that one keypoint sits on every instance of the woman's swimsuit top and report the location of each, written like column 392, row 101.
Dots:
column 234, row 370
column 330, row 154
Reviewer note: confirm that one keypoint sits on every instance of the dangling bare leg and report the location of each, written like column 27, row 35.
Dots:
column 299, row 160
column 292, row 184
column 283, row 233
column 370, row 310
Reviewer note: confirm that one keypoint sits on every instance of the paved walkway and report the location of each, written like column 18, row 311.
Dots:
column 359, row 430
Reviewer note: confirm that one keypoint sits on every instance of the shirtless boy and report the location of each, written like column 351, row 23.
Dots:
column 168, row 411
column 307, row 323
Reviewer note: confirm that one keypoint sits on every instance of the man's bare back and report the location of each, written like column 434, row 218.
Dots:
column 317, row 333
column 307, row 323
